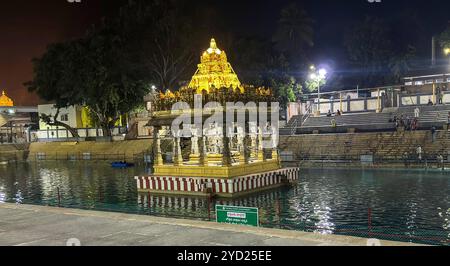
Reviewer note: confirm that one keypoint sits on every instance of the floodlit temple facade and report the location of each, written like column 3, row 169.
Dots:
column 215, row 159
column 16, row 122
column 5, row 101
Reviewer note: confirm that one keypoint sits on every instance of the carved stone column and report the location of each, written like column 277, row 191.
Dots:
column 260, row 145
column 194, row 157
column 226, row 159
column 157, row 153
column 253, row 147
column 203, row 160
column 274, row 145
column 178, row 158
column 241, row 146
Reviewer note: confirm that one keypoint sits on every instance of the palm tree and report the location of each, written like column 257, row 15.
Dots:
column 294, row 30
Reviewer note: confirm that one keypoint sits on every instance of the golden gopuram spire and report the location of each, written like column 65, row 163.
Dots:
column 214, row 71
column 5, row 101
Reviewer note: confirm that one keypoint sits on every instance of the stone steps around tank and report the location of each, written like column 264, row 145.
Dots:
column 428, row 115
column 384, row 145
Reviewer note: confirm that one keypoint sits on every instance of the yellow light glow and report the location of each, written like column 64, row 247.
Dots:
column 214, row 71
column 5, row 101
column 447, row 51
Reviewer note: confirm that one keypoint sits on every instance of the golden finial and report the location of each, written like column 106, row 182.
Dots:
column 213, row 44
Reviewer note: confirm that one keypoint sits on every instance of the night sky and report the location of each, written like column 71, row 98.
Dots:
column 28, row 26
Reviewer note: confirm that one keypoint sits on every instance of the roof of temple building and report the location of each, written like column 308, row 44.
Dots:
column 214, row 71
column 5, row 101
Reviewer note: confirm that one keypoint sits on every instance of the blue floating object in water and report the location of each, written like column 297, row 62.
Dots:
column 121, row 165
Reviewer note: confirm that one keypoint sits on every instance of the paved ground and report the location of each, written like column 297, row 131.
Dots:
column 25, row 225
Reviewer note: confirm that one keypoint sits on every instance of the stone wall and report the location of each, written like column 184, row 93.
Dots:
column 12, row 152
column 128, row 150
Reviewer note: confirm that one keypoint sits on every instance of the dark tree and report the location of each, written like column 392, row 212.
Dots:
column 102, row 71
column 444, row 38
column 113, row 84
column 164, row 39
column 370, row 48
column 372, row 53
column 55, row 80
column 294, row 32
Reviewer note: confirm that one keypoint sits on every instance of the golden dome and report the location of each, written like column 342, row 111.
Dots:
column 214, row 71
column 5, row 101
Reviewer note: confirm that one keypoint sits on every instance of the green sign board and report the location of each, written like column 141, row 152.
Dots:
column 237, row 215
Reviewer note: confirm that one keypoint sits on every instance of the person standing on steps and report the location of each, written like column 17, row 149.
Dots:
column 329, row 114
column 419, row 154
column 333, row 123
column 433, row 134
column 440, row 159
column 408, row 123
column 417, row 112
column 406, row 159
column 448, row 120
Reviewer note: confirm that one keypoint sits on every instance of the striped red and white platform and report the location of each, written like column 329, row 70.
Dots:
column 226, row 187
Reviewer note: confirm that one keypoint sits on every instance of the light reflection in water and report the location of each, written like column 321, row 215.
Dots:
column 323, row 215
column 18, row 197
column 324, row 201
column 2, row 195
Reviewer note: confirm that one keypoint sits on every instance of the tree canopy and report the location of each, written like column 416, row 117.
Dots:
column 371, row 51
column 101, row 72
column 444, row 39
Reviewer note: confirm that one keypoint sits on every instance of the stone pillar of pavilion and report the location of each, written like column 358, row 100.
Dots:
column 274, row 146
column 253, row 135
column 434, row 93
column 226, row 159
column 194, row 156
column 378, row 101
column 240, row 145
column 178, row 157
column 158, row 160
column 260, row 145
column 203, row 160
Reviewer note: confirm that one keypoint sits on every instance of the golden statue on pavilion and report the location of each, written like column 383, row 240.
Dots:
column 214, row 71
column 5, row 101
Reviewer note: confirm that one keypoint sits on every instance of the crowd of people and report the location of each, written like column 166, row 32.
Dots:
column 330, row 114
column 418, row 156
column 412, row 123
column 406, row 122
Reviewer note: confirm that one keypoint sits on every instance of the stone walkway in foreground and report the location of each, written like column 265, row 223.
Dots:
column 26, row 225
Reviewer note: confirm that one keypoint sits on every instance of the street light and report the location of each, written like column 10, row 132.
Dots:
column 318, row 77
column 447, row 53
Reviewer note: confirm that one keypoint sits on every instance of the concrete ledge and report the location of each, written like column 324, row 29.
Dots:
column 19, row 222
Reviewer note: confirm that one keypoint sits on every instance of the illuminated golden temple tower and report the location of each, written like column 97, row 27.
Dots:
column 5, row 101
column 214, row 71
